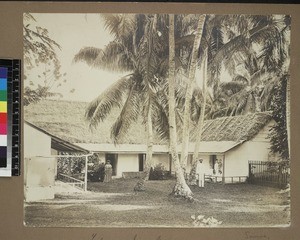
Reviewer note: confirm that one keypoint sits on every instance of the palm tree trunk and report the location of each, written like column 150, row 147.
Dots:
column 149, row 153
column 181, row 188
column 189, row 92
column 288, row 114
column 192, row 178
column 149, row 163
column 140, row 185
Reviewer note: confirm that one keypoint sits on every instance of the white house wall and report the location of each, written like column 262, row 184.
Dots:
column 130, row 162
column 236, row 161
column 36, row 143
column 127, row 163
column 257, row 149
column 39, row 178
column 38, row 172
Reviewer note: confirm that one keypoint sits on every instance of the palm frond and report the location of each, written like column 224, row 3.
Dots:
column 120, row 25
column 129, row 114
column 233, row 87
column 268, row 93
column 240, row 79
column 100, row 107
column 197, row 99
column 115, row 57
column 237, row 102
column 217, row 40
column 228, row 49
column 160, row 116
column 265, row 33
column 88, row 55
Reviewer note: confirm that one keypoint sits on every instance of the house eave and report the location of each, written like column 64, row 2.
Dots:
column 206, row 147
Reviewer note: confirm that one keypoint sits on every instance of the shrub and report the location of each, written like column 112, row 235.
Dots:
column 159, row 173
column 97, row 174
column 70, row 165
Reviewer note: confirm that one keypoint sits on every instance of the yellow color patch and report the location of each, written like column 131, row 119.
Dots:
column 3, row 107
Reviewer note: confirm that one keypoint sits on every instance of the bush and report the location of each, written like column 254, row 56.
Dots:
column 159, row 173
column 97, row 175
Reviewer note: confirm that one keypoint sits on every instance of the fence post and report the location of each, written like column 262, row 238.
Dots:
column 249, row 174
column 86, row 173
column 280, row 176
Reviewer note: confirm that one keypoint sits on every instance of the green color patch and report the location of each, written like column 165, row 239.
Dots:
column 3, row 95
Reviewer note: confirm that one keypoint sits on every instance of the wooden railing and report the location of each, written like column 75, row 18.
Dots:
column 229, row 179
column 71, row 181
column 217, row 179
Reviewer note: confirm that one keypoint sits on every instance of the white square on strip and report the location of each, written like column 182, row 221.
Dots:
column 3, row 140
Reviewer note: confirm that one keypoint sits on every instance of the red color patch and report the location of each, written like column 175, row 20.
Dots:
column 3, row 118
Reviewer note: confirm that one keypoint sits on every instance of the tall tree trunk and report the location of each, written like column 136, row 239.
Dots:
column 189, row 92
column 181, row 188
column 140, row 186
column 193, row 177
column 149, row 153
column 149, row 163
column 288, row 114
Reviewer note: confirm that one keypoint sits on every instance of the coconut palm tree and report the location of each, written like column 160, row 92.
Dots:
column 245, row 92
column 180, row 188
column 253, row 55
column 134, row 49
column 200, row 123
column 189, row 91
column 263, row 53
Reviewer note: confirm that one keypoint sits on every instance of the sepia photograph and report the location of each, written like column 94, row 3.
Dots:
column 156, row 120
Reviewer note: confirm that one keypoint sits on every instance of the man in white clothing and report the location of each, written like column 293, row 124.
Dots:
column 200, row 172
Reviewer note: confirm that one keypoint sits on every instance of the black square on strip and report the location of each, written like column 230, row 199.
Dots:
column 3, row 151
column 3, row 156
column 3, row 161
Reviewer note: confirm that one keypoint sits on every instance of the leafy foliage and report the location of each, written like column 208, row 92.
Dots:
column 71, row 166
column 97, row 173
column 278, row 133
column 159, row 173
column 40, row 50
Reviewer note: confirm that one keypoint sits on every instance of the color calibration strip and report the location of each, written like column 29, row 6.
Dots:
column 3, row 117
column 10, row 70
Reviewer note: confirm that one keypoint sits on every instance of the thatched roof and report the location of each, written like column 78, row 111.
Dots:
column 237, row 128
column 66, row 120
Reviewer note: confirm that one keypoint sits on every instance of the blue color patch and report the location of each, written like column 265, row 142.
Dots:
column 3, row 84
column 3, row 72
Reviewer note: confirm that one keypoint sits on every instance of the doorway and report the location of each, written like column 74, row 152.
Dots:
column 142, row 158
column 113, row 158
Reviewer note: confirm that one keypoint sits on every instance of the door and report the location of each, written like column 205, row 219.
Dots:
column 113, row 158
column 142, row 158
column 212, row 163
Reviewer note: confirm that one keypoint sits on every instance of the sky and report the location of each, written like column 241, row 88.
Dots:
column 72, row 32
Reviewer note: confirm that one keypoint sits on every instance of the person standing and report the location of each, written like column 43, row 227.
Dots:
column 107, row 172
column 216, row 167
column 200, row 172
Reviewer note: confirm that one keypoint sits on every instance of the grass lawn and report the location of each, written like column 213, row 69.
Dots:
column 115, row 204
